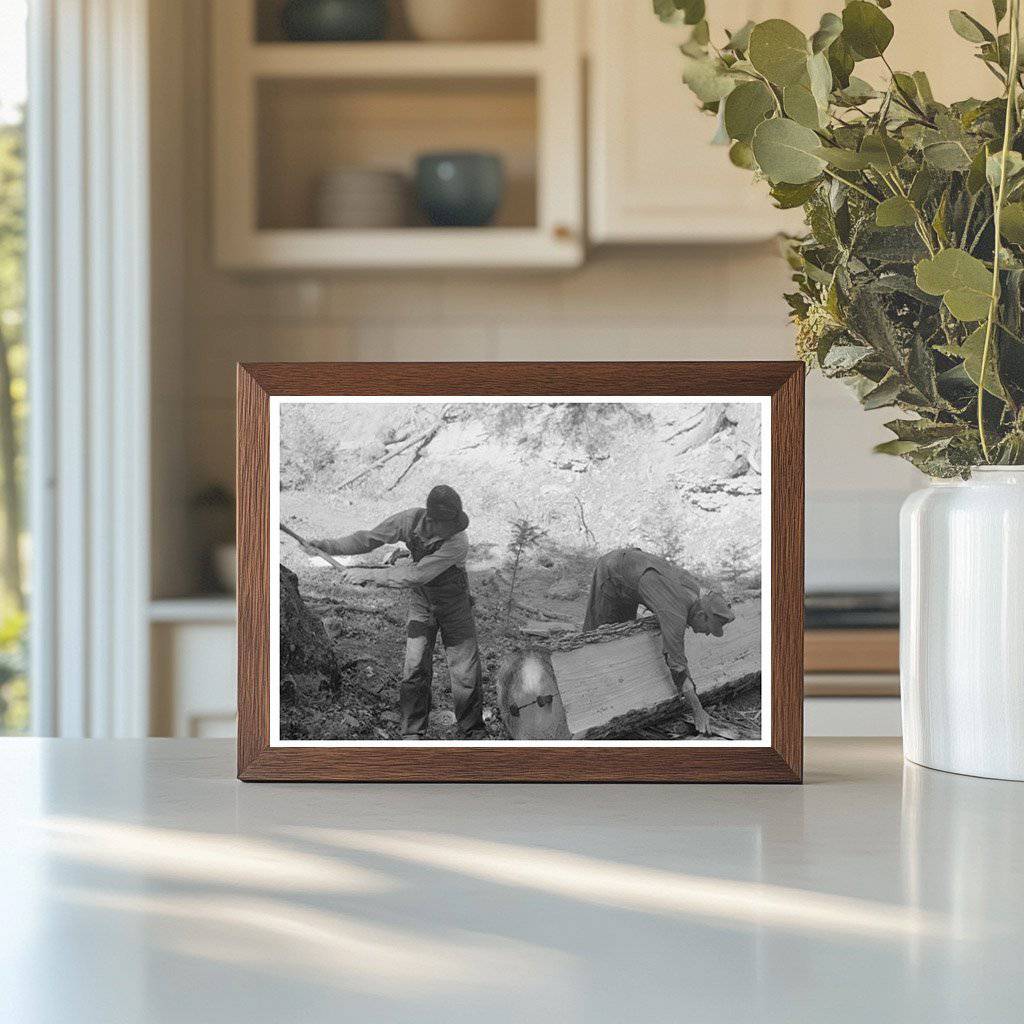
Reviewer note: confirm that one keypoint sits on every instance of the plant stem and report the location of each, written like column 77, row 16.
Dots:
column 775, row 98
column 853, row 185
column 907, row 99
column 1011, row 109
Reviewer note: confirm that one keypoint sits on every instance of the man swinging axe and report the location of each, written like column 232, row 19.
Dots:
column 628, row 577
column 439, row 602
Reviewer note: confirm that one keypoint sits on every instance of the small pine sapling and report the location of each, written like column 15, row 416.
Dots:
column 524, row 535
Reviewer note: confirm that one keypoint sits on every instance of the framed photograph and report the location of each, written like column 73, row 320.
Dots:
column 512, row 572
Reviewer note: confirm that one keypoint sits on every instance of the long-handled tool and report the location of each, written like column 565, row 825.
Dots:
column 305, row 543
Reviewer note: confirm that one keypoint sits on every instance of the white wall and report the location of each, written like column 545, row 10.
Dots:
column 653, row 303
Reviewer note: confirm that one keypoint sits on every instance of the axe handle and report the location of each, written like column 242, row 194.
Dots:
column 305, row 543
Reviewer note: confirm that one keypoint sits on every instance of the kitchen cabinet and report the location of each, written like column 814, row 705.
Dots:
column 654, row 177
column 288, row 114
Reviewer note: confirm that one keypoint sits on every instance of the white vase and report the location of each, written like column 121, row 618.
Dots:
column 962, row 624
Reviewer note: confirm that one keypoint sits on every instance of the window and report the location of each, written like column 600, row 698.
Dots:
column 14, row 694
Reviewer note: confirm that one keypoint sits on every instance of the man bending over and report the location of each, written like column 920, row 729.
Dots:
column 628, row 577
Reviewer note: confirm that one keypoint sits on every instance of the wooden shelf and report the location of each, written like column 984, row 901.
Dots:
column 284, row 114
column 393, row 60
column 182, row 610
column 318, row 248
column 852, row 650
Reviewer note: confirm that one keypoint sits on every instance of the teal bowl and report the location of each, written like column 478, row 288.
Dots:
column 334, row 21
column 460, row 190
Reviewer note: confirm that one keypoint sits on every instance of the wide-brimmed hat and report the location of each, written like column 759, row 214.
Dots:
column 445, row 506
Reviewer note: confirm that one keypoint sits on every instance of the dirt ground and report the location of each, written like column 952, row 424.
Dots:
column 551, row 589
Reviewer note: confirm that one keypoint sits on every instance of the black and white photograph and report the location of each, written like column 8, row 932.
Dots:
column 519, row 570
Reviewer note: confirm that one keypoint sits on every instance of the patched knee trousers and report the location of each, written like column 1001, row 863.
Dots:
column 447, row 610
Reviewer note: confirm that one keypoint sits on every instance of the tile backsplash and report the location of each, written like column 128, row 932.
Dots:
column 708, row 303
column 671, row 302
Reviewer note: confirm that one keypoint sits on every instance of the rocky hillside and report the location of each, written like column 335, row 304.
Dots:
column 683, row 480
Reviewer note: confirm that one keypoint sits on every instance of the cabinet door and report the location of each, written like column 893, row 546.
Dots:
column 654, row 176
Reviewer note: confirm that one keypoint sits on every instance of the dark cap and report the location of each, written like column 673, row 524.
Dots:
column 714, row 604
column 445, row 506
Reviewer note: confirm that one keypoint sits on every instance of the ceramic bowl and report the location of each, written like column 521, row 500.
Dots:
column 333, row 21
column 470, row 20
column 459, row 189
column 359, row 197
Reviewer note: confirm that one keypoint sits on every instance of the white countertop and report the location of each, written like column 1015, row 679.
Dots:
column 140, row 882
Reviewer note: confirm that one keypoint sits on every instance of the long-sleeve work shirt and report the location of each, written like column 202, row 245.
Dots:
column 432, row 556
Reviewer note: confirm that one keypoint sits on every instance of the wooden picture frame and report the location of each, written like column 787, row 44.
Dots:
column 778, row 760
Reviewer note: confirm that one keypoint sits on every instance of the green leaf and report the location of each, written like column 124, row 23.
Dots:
column 829, row 30
column 889, row 245
column 788, row 197
column 883, row 152
column 707, row 78
column 905, row 84
column 963, row 281
column 993, row 167
column 745, row 108
column 721, row 136
column 701, row 34
column 801, row 106
column 895, row 212
column 690, row 12
column 819, row 74
column 840, row 61
column 969, row 28
column 741, row 155
column 976, row 173
column 924, row 88
column 885, row 394
column 939, row 220
column 921, row 371
column 971, row 351
column 866, row 29
column 947, row 156
column 665, row 10
column 779, row 51
column 895, row 447
column 922, row 185
column 923, row 431
column 857, row 91
column 739, row 41
column 868, row 318
column 693, row 10
column 1012, row 223
column 844, row 159
column 787, row 151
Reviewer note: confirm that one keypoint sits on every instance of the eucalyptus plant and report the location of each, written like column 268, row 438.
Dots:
column 910, row 278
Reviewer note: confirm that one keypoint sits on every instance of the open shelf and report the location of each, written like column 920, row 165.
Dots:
column 307, row 128
column 286, row 114
column 411, row 248
column 393, row 60
column 520, row 23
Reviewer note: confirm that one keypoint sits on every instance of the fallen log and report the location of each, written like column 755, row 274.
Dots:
column 673, row 710
column 618, row 671
column 545, row 628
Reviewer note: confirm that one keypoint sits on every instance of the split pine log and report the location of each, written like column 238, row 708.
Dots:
column 615, row 678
